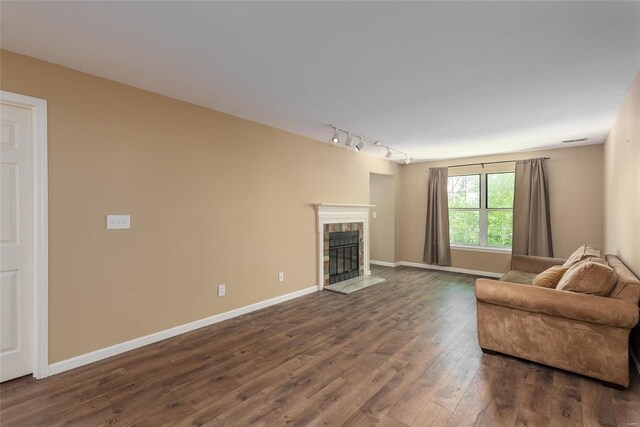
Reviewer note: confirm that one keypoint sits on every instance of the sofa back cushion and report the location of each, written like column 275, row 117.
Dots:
column 628, row 286
column 550, row 277
column 589, row 277
column 583, row 252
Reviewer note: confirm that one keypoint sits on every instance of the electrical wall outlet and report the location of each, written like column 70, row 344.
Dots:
column 281, row 277
column 118, row 222
column 374, row 214
column 221, row 290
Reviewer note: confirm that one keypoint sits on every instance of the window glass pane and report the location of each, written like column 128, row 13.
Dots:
column 500, row 190
column 464, row 227
column 499, row 228
column 464, row 191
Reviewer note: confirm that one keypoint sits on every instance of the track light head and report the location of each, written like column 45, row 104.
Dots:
column 336, row 137
column 349, row 142
column 362, row 141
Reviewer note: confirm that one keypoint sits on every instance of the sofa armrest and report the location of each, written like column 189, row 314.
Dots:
column 569, row 305
column 534, row 264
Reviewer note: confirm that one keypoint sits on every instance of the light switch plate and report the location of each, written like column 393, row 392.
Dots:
column 118, row 222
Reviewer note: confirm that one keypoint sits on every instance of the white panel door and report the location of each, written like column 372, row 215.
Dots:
column 16, row 242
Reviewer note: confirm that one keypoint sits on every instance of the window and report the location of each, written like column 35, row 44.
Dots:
column 500, row 209
column 481, row 209
column 463, row 194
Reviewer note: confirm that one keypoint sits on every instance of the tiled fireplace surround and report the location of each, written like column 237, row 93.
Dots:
column 333, row 217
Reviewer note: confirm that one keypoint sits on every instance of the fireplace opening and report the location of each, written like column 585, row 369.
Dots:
column 344, row 262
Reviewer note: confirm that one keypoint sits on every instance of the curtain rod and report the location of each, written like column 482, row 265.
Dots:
column 486, row 163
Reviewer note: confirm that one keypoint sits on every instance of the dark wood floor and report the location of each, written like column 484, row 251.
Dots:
column 401, row 353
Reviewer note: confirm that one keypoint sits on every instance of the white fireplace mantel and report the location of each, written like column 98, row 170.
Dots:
column 335, row 213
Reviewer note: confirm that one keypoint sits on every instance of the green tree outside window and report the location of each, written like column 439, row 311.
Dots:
column 481, row 215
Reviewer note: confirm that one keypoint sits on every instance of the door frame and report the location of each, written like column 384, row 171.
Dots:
column 40, row 225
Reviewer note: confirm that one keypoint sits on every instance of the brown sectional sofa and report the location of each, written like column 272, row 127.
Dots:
column 582, row 333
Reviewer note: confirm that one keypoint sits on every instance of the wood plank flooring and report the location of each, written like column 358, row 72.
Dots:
column 401, row 353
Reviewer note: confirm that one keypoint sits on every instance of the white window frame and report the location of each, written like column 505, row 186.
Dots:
column 482, row 217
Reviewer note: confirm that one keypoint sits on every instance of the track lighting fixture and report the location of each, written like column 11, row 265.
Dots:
column 349, row 142
column 336, row 137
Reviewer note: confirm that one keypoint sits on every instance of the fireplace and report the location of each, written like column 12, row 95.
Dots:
column 340, row 218
column 344, row 255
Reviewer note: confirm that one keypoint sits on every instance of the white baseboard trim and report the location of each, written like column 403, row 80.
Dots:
column 385, row 263
column 451, row 269
column 438, row 267
column 636, row 362
column 113, row 350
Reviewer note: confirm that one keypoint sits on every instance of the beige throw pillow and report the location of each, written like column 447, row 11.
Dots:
column 589, row 277
column 583, row 252
column 550, row 277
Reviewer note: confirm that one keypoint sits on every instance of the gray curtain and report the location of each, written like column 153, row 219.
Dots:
column 436, row 244
column 531, row 218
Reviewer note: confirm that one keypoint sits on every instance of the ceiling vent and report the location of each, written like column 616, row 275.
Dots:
column 569, row 141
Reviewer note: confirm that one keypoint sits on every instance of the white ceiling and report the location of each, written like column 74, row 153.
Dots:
column 436, row 80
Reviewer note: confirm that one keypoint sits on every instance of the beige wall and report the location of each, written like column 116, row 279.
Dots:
column 622, row 181
column 622, row 188
column 213, row 199
column 576, row 192
column 382, row 191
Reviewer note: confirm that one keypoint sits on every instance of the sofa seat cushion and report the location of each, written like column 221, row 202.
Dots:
column 550, row 277
column 517, row 276
column 583, row 252
column 589, row 277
